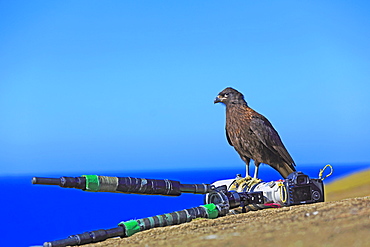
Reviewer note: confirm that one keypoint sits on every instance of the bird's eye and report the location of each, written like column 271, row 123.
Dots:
column 226, row 95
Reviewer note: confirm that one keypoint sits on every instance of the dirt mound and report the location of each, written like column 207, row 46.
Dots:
column 337, row 223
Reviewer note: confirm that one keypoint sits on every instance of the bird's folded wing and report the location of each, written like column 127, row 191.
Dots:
column 228, row 138
column 263, row 129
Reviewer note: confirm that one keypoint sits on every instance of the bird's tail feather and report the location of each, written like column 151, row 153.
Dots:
column 285, row 169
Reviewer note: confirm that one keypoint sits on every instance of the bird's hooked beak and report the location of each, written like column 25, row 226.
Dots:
column 219, row 99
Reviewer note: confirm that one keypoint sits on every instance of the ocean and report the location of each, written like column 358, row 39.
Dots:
column 34, row 214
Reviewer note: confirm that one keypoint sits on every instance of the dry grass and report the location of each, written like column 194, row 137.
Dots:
column 355, row 185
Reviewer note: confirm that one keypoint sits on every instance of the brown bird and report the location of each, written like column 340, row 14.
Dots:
column 252, row 135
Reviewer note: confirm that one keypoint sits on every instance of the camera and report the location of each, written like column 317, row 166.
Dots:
column 297, row 188
column 301, row 189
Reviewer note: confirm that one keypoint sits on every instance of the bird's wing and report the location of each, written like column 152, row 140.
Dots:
column 263, row 129
column 228, row 138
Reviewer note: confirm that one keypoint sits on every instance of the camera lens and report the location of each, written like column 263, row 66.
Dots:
column 234, row 199
column 214, row 198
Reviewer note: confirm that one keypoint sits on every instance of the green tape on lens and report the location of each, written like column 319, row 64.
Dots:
column 131, row 226
column 92, row 182
column 211, row 210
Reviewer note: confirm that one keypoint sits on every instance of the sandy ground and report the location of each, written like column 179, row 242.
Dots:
column 343, row 220
column 338, row 223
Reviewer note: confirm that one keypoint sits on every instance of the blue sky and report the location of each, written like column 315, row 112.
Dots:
column 129, row 85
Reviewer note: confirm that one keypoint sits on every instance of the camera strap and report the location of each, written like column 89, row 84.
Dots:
column 322, row 171
column 283, row 192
